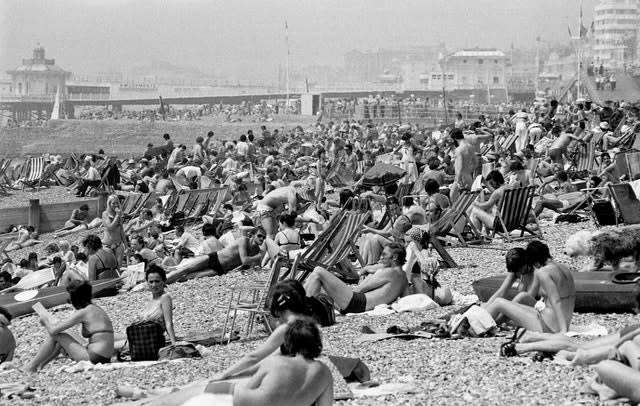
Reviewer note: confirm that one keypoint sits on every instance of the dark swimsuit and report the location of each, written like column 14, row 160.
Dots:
column 214, row 263
column 105, row 272
column 94, row 357
column 357, row 304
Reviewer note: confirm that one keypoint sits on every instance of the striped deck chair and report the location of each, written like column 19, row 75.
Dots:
column 627, row 202
column 509, row 142
column 130, row 203
column 455, row 218
column 360, row 167
column 216, row 198
column 35, row 167
column 627, row 138
column 404, row 189
column 333, row 245
column 514, row 213
column 585, row 157
column 4, row 182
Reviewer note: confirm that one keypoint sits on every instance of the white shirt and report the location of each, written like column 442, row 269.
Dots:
column 189, row 171
column 242, row 148
column 92, row 174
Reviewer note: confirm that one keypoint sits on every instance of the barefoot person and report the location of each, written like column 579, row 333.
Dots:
column 96, row 327
column 465, row 164
column 289, row 306
column 553, row 283
column 485, row 213
column 273, row 204
column 27, row 237
column 78, row 217
column 386, row 284
column 244, row 251
column 114, row 237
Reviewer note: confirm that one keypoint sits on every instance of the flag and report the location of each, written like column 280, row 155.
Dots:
column 569, row 29
column 583, row 29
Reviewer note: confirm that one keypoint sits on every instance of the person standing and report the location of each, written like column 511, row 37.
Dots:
column 612, row 81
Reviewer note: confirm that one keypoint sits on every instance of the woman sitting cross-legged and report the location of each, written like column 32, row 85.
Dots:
column 553, row 283
column 96, row 327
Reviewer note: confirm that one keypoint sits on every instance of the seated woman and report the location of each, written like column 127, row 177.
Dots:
column 101, row 263
column 291, row 378
column 160, row 307
column 422, row 269
column 7, row 340
column 373, row 240
column 436, row 202
column 518, row 176
column 288, row 238
column 27, row 237
column 553, row 283
column 484, row 213
column 289, row 305
column 96, row 327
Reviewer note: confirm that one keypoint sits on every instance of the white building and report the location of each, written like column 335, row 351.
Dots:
column 616, row 24
column 475, row 68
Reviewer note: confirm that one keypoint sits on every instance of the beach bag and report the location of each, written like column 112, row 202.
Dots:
column 175, row 351
column 480, row 321
column 322, row 309
column 145, row 340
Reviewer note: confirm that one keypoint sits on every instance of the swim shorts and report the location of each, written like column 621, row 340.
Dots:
column 358, row 304
column 214, row 263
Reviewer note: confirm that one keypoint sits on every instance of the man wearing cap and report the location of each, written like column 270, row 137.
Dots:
column 383, row 284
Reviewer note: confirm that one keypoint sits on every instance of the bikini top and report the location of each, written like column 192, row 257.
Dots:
column 104, row 268
column 288, row 242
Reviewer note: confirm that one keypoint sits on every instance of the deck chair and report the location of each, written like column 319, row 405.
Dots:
column 34, row 169
column 130, row 203
column 333, row 245
column 509, row 142
column 585, row 157
column 456, row 216
column 254, row 299
column 627, row 139
column 633, row 164
column 627, row 202
column 4, row 182
column 404, row 189
column 514, row 214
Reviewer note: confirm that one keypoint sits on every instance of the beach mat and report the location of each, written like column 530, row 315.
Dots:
column 208, row 338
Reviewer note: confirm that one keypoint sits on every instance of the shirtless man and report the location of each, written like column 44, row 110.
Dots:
column 292, row 377
column 244, row 251
column 465, row 162
column 560, row 144
column 273, row 204
column 484, row 213
column 387, row 282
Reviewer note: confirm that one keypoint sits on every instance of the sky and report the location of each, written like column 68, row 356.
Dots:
column 246, row 38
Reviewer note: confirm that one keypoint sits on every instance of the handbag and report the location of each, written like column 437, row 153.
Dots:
column 145, row 340
column 322, row 309
column 181, row 350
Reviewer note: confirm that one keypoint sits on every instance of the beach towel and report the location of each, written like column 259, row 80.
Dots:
column 371, row 389
column 589, row 330
column 84, row 366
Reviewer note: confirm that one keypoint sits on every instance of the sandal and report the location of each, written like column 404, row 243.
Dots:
column 508, row 349
column 517, row 335
column 541, row 356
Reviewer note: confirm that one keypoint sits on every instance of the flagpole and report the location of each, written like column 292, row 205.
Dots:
column 286, row 36
column 578, row 93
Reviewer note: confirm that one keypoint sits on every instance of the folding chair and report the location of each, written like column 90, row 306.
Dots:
column 254, row 299
column 130, row 203
column 404, row 189
column 514, row 214
column 4, row 183
column 456, row 218
column 633, row 164
column 333, row 245
column 627, row 202
column 34, row 169
column 585, row 157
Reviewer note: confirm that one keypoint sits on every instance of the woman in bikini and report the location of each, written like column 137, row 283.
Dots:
column 288, row 238
column 27, row 237
column 102, row 263
column 96, row 327
column 553, row 284
column 160, row 308
column 114, row 237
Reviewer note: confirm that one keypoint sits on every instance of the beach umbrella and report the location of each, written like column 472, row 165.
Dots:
column 382, row 174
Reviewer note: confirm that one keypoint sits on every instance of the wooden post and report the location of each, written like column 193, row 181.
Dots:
column 101, row 203
column 34, row 213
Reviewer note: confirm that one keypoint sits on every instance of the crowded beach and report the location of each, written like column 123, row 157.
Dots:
column 355, row 261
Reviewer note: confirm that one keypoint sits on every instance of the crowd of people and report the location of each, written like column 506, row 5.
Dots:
column 285, row 186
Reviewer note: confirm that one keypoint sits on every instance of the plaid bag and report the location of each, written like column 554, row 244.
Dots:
column 145, row 340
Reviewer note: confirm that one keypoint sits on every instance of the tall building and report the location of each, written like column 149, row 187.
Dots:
column 616, row 24
column 38, row 77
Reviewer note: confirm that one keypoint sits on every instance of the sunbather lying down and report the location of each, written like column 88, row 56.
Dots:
column 27, row 237
column 294, row 377
column 95, row 223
